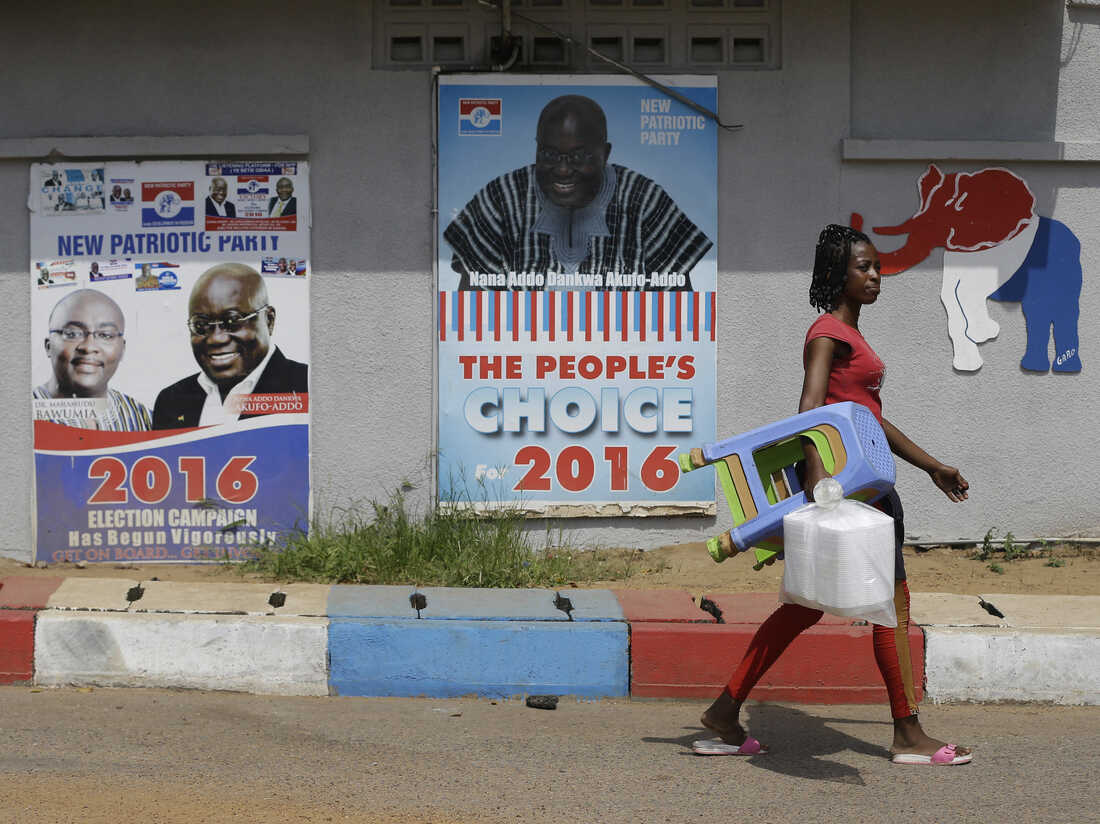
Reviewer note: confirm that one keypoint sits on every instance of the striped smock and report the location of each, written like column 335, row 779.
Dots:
column 116, row 412
column 632, row 227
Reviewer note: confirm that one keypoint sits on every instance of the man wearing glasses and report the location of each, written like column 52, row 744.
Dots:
column 85, row 344
column 572, row 219
column 230, row 321
column 216, row 203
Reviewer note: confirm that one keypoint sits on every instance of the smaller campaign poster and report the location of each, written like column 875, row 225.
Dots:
column 69, row 191
column 167, row 203
column 170, row 375
column 54, row 273
column 576, row 309
column 99, row 270
column 252, row 196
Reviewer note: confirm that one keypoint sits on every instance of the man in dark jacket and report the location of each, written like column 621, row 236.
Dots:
column 216, row 203
column 231, row 323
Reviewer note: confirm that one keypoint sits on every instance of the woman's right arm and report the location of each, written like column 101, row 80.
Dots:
column 819, row 362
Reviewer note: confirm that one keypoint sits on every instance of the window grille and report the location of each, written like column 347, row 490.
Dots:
column 650, row 35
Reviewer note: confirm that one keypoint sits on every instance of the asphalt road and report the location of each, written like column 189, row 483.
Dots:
column 90, row 756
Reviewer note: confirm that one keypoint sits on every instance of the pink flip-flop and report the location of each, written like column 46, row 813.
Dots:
column 716, row 746
column 943, row 757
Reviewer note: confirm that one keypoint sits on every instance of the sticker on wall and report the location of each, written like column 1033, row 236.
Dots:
column 257, row 196
column 122, row 193
column 283, row 267
column 154, row 277
column 69, row 190
column 51, row 273
column 478, row 116
column 996, row 247
column 110, row 270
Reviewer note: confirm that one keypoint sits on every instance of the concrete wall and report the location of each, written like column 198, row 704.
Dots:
column 889, row 72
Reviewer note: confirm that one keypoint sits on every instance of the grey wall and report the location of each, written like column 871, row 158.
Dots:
column 941, row 69
column 888, row 70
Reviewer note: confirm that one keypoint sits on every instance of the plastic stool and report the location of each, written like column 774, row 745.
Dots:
column 852, row 446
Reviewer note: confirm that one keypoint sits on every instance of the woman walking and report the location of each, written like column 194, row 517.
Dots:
column 841, row 366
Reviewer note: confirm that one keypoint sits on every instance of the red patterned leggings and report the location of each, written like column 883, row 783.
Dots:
column 786, row 623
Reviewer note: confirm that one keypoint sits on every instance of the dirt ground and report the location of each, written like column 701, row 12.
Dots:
column 689, row 567
column 938, row 569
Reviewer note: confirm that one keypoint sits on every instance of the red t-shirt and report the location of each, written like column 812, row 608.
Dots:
column 856, row 377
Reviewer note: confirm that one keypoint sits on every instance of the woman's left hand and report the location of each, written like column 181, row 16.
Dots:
column 950, row 481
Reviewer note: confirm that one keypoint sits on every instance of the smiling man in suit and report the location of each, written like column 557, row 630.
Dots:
column 216, row 203
column 284, row 203
column 231, row 323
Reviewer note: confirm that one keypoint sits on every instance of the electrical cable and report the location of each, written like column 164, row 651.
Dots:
column 675, row 95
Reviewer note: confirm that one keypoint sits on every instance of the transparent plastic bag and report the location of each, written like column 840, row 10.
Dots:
column 839, row 558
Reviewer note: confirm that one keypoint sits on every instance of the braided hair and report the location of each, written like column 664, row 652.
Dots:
column 834, row 249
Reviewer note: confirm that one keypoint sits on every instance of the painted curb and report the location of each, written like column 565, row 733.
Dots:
column 370, row 601
column 500, row 643
column 591, row 605
column 664, row 605
column 490, row 658
column 1003, row 664
column 20, row 600
column 450, row 603
column 832, row 662
column 824, row 665
column 101, row 594
column 27, row 593
column 16, row 646
column 243, row 653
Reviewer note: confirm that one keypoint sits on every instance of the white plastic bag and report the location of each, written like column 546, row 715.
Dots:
column 839, row 558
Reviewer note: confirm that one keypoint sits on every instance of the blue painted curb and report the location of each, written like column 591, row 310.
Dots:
column 370, row 601
column 471, row 604
column 494, row 658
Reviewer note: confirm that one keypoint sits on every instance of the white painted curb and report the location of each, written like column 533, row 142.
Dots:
column 1003, row 664
column 263, row 655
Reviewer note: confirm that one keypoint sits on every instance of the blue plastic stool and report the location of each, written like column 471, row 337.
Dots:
column 852, row 446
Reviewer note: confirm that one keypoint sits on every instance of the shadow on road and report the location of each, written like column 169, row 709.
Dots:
column 798, row 743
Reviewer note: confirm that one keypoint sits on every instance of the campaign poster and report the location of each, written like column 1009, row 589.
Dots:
column 72, row 189
column 577, row 271
column 170, row 352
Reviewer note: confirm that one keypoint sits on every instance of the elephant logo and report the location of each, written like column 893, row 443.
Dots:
column 995, row 247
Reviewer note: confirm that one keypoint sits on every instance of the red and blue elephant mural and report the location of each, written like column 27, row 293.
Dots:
column 995, row 247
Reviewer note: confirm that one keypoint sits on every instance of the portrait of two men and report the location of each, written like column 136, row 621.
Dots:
column 231, row 322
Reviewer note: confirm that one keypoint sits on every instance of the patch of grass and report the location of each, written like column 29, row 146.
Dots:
column 995, row 567
column 984, row 552
column 1055, row 562
column 1011, row 549
column 385, row 543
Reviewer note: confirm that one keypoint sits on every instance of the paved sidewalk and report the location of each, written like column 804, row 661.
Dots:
column 309, row 639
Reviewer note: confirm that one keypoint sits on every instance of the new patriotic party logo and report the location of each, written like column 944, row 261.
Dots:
column 479, row 116
column 252, row 185
column 168, row 204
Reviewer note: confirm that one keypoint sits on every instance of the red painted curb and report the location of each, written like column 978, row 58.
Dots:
column 825, row 664
column 665, row 605
column 16, row 645
column 755, row 607
column 20, row 599
column 27, row 593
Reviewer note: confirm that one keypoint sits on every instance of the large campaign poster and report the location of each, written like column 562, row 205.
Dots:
column 169, row 358
column 577, row 272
